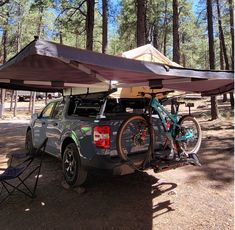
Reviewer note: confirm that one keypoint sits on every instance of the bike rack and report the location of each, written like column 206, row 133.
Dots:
column 161, row 166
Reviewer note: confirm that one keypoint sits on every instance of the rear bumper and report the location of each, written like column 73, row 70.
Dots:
column 107, row 164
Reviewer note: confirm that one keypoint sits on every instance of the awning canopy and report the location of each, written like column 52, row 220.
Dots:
column 47, row 66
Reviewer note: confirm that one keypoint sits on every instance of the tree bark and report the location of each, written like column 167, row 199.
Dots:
column 12, row 98
column 231, row 30
column 221, row 36
column 4, row 44
column 2, row 107
column 33, row 102
column 141, row 22
column 39, row 27
column 176, row 40
column 15, row 107
column 221, row 55
column 104, row 26
column 155, row 36
column 232, row 38
column 165, row 29
column 214, row 108
column 61, row 37
column 30, row 101
column 210, row 34
column 90, row 24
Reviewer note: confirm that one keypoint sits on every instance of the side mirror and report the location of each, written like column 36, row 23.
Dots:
column 35, row 116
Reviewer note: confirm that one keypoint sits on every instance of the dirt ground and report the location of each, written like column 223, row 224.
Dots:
column 185, row 198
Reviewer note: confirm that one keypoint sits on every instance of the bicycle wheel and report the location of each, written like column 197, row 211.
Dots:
column 189, row 124
column 134, row 140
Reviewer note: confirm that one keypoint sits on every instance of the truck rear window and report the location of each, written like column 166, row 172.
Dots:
column 126, row 105
column 84, row 107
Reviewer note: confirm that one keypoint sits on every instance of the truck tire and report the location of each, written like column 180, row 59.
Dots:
column 74, row 174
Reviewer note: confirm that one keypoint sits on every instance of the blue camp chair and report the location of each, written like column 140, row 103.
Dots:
column 21, row 172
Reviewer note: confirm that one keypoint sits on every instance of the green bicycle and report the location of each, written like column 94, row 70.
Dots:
column 137, row 134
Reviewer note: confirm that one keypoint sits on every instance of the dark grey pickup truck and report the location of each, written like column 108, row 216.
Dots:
column 82, row 131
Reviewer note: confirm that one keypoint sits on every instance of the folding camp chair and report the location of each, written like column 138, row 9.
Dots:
column 21, row 172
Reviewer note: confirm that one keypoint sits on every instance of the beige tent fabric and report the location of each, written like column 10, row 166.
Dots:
column 144, row 53
column 149, row 53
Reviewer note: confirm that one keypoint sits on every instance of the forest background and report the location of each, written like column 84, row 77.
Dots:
column 195, row 34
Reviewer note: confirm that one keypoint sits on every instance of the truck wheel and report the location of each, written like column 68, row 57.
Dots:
column 29, row 142
column 73, row 172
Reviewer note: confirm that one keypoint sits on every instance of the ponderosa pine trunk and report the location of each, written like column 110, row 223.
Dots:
column 90, row 24
column 141, row 22
column 231, row 29
column 214, row 109
column 4, row 44
column 165, row 29
column 176, row 39
column 104, row 26
column 221, row 36
column 232, row 38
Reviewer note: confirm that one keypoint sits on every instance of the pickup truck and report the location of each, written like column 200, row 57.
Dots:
column 82, row 131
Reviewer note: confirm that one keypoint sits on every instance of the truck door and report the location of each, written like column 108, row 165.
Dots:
column 40, row 125
column 54, row 128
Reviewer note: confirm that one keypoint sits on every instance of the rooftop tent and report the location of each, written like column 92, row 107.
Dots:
column 148, row 53
column 144, row 53
column 47, row 65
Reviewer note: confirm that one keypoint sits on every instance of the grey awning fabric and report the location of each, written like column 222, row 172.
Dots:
column 48, row 66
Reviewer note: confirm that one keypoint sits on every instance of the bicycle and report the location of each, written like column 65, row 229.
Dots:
column 183, row 136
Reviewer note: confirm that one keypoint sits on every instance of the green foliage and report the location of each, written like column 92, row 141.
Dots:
column 127, row 26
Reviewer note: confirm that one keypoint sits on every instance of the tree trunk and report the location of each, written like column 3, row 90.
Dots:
column 155, row 35
column 214, row 109
column 12, row 98
column 46, row 98
column 39, row 26
column 15, row 107
column 231, row 30
column 222, row 62
column 231, row 100
column 30, row 101
column 4, row 44
column 232, row 38
column 61, row 38
column 176, row 40
column 165, row 29
column 141, row 23
column 221, row 36
column 19, row 35
column 33, row 102
column 104, row 26
column 2, row 107
column 90, row 24
column 210, row 34
column 183, row 54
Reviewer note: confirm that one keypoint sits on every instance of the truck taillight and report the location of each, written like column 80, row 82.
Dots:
column 101, row 136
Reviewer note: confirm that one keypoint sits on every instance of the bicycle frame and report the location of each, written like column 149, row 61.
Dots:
column 171, row 132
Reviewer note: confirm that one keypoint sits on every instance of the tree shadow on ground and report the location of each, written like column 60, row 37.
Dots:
column 217, row 158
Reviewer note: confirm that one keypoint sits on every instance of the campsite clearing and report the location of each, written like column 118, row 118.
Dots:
column 185, row 198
